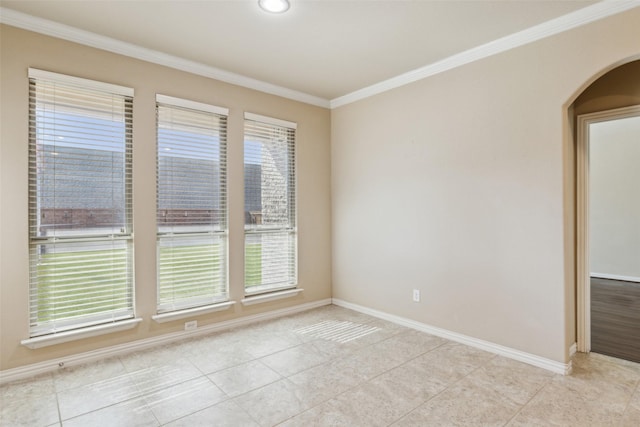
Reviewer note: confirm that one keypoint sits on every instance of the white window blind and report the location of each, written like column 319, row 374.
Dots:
column 270, row 204
column 80, row 148
column 191, row 204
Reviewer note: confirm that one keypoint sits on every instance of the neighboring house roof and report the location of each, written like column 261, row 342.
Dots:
column 86, row 185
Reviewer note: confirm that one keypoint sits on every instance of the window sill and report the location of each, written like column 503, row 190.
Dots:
column 77, row 334
column 190, row 312
column 257, row 299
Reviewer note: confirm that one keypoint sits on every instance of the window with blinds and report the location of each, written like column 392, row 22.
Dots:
column 191, row 204
column 80, row 231
column 270, row 240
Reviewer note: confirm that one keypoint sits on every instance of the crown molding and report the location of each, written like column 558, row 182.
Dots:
column 563, row 23
column 66, row 32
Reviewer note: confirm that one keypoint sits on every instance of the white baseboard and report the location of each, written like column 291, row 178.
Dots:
column 531, row 359
column 28, row 371
column 616, row 277
column 573, row 349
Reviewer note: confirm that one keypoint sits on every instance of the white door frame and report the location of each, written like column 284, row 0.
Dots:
column 583, row 273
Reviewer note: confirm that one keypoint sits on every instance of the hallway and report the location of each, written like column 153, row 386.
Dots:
column 615, row 318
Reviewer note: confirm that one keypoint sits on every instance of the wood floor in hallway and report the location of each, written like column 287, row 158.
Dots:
column 615, row 318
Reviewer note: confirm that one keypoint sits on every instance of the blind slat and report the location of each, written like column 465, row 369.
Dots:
column 80, row 144
column 270, row 204
column 191, row 189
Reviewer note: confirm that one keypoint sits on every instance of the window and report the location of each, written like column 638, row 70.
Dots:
column 269, row 204
column 191, row 205
column 80, row 231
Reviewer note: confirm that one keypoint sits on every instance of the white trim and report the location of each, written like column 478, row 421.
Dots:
column 190, row 312
column 35, row 73
column 616, row 277
column 270, row 120
column 532, row 359
column 66, row 32
column 193, row 105
column 583, row 288
column 563, row 23
column 583, row 271
column 573, row 349
column 258, row 299
column 27, row 371
column 78, row 334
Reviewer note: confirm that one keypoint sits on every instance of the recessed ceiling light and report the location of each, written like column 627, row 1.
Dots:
column 274, row 6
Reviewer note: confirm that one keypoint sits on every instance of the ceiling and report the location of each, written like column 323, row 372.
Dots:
column 323, row 48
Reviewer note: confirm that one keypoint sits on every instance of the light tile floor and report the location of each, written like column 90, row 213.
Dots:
column 287, row 372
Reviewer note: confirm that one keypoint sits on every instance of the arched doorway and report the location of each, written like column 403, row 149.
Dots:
column 613, row 96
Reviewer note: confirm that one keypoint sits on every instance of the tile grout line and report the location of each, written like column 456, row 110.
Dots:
column 449, row 385
column 445, row 342
column 633, row 393
column 125, row 374
column 547, row 382
column 141, row 391
column 346, row 357
column 421, row 403
column 341, row 353
column 57, row 402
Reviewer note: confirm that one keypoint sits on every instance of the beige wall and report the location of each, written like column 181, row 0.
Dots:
column 614, row 197
column 21, row 50
column 460, row 185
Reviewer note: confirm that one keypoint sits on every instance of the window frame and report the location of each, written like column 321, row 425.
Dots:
column 290, row 229
column 76, row 323
column 178, row 308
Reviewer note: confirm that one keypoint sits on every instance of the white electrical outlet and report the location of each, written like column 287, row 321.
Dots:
column 416, row 295
column 190, row 326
